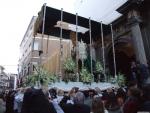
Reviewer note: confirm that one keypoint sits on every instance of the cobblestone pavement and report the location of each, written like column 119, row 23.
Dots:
column 2, row 106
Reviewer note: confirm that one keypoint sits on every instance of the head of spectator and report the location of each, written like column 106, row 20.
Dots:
column 60, row 92
column 109, row 90
column 133, row 64
column 132, row 84
column 98, row 90
column 97, row 105
column 91, row 93
column 79, row 98
column 121, row 96
column 71, row 93
column 134, row 92
column 53, row 93
column 76, row 89
column 112, row 103
column 105, row 97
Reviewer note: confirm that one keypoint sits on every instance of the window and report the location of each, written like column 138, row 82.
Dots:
column 36, row 45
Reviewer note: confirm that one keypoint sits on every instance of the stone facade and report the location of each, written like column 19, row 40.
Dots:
column 132, row 36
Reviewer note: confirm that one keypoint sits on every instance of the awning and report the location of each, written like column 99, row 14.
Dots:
column 52, row 17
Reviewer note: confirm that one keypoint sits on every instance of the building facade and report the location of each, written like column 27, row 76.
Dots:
column 131, row 36
column 4, row 79
column 30, row 49
column 13, row 81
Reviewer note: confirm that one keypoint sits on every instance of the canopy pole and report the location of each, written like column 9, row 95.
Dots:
column 47, row 45
column 77, row 49
column 91, row 47
column 113, row 47
column 103, row 51
column 41, row 45
column 61, row 47
column 41, row 41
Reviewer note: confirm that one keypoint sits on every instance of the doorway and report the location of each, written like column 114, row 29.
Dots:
column 124, row 55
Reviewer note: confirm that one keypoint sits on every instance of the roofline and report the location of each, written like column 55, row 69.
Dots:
column 124, row 7
column 131, row 3
column 31, row 21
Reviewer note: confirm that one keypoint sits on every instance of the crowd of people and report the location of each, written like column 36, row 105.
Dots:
column 133, row 98
column 112, row 100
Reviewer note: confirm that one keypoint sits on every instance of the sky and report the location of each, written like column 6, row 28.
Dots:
column 15, row 16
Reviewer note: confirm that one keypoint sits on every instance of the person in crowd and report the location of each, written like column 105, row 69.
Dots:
column 104, row 97
column 60, row 95
column 55, row 104
column 64, row 100
column 53, row 93
column 131, row 84
column 10, row 101
column 79, row 106
column 132, row 103
column 67, row 107
column 76, row 89
column 79, row 98
column 98, row 91
column 144, row 72
column 134, row 70
column 55, row 100
column 72, row 93
column 121, row 96
column 88, row 100
column 35, row 101
column 145, row 105
column 112, row 105
column 18, row 99
column 98, row 106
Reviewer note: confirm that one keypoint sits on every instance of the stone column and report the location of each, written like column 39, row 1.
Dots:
column 137, row 39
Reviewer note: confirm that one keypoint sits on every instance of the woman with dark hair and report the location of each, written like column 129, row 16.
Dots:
column 112, row 105
column 53, row 93
column 98, row 106
column 35, row 101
